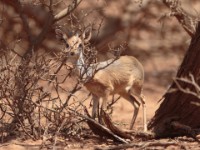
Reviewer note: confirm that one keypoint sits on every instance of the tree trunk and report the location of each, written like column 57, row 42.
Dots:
column 177, row 106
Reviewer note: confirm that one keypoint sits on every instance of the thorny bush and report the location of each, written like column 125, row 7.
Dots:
column 39, row 106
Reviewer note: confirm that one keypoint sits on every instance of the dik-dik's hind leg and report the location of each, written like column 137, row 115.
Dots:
column 142, row 98
column 104, row 105
column 136, row 105
column 136, row 91
column 95, row 109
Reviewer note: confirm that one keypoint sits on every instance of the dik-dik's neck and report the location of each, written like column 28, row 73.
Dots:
column 85, row 71
column 81, row 61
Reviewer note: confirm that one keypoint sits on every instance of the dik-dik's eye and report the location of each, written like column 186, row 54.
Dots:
column 67, row 45
column 72, row 53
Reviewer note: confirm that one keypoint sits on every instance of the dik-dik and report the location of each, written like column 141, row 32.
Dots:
column 123, row 76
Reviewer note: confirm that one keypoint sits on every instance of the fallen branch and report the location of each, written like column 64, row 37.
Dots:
column 128, row 134
column 97, row 128
column 140, row 134
column 113, row 128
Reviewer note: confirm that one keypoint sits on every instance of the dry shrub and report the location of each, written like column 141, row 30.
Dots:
column 38, row 105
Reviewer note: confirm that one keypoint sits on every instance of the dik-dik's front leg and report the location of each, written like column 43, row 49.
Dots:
column 104, row 105
column 95, row 105
column 104, row 100
column 95, row 108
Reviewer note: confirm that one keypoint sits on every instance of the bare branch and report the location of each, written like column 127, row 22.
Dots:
column 188, row 22
column 93, row 124
column 24, row 20
column 190, row 81
column 67, row 11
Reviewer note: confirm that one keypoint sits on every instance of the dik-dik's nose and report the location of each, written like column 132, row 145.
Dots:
column 72, row 53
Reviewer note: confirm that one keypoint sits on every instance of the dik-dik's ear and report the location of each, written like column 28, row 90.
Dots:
column 87, row 34
column 60, row 35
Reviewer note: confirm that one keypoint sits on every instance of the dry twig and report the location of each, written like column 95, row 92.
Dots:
column 191, row 81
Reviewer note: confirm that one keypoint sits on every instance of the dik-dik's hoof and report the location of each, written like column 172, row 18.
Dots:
column 145, row 127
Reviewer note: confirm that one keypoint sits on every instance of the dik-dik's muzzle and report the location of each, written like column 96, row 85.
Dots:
column 71, row 53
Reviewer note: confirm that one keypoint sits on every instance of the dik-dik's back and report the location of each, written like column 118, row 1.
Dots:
column 118, row 76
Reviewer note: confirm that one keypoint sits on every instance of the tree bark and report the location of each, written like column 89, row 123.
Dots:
column 177, row 105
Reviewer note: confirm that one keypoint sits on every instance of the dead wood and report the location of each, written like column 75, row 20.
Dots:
column 67, row 10
column 141, row 135
column 187, row 21
column 128, row 134
column 101, row 130
column 185, row 130
column 113, row 128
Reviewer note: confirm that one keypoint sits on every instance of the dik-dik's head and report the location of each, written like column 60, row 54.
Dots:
column 76, row 43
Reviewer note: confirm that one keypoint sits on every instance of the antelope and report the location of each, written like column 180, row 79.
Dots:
column 123, row 76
